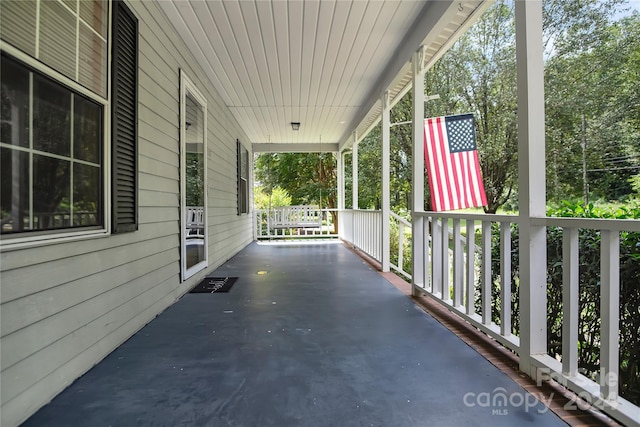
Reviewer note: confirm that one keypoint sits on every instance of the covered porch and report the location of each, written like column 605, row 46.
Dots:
column 309, row 335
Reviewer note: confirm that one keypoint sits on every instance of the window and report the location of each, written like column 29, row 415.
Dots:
column 50, row 151
column 243, row 178
column 53, row 116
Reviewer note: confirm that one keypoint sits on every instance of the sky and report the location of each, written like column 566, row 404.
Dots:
column 634, row 5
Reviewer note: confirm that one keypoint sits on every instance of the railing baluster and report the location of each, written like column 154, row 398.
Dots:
column 446, row 296
column 436, row 258
column 610, row 312
column 458, row 265
column 427, row 252
column 570, row 263
column 471, row 267
column 485, row 285
column 505, row 278
column 400, row 245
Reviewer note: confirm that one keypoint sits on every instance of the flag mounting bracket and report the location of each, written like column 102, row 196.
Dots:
column 422, row 63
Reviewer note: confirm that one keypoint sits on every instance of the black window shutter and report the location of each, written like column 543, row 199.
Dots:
column 124, row 120
column 239, row 175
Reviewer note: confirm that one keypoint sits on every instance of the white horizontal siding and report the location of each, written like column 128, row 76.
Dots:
column 32, row 398
column 66, row 306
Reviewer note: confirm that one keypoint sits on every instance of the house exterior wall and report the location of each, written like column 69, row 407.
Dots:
column 65, row 306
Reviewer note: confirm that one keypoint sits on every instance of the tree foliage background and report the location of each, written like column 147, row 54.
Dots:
column 592, row 66
column 592, row 76
column 308, row 178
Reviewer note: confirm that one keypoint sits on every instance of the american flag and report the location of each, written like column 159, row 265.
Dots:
column 452, row 163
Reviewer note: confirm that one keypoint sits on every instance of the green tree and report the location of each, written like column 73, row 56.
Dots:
column 309, row 178
column 370, row 163
column 477, row 75
column 593, row 113
column 195, row 179
column 264, row 200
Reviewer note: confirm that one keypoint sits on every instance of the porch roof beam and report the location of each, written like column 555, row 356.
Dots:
column 315, row 147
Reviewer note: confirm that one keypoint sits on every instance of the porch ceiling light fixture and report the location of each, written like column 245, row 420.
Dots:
column 295, row 125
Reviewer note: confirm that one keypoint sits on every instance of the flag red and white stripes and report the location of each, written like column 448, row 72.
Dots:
column 453, row 168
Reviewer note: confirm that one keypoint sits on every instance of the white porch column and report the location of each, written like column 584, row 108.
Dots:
column 340, row 183
column 354, row 174
column 386, row 194
column 417, row 186
column 531, row 182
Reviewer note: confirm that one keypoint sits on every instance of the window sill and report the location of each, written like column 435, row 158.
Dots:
column 8, row 244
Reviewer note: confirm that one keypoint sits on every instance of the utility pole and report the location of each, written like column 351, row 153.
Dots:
column 585, row 185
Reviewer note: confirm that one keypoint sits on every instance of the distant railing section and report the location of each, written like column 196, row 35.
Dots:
column 47, row 221
column 363, row 229
column 195, row 222
column 459, row 275
column 291, row 222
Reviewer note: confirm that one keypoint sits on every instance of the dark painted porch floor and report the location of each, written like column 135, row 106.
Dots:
column 321, row 340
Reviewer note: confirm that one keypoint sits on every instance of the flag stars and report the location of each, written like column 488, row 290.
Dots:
column 461, row 134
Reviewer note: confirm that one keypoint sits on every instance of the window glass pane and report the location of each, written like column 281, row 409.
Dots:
column 87, row 129
column 92, row 61
column 195, row 184
column 18, row 24
column 243, row 162
column 86, row 195
column 58, row 38
column 14, row 110
column 94, row 14
column 14, row 190
column 51, row 117
column 44, row 184
column 81, row 57
column 244, row 196
column 51, row 182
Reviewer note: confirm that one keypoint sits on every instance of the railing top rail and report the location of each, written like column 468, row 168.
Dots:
column 282, row 208
column 364, row 210
column 592, row 223
column 470, row 216
column 400, row 219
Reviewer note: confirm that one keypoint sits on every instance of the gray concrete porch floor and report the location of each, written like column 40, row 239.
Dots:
column 320, row 340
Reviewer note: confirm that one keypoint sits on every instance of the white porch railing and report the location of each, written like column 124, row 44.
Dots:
column 604, row 393
column 363, row 229
column 458, row 274
column 195, row 222
column 293, row 222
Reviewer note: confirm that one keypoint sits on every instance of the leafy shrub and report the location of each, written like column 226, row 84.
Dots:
column 263, row 200
column 394, row 240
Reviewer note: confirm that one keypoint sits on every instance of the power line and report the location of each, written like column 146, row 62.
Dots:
column 613, row 169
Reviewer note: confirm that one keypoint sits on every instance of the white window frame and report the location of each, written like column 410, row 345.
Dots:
column 244, row 207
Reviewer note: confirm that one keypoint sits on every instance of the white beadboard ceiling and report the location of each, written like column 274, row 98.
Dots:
column 323, row 63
